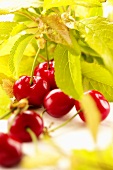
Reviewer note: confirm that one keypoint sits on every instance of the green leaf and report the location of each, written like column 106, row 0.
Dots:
column 5, row 29
column 4, row 68
column 92, row 160
column 86, row 49
column 4, row 102
column 84, row 159
column 26, row 16
column 6, row 78
column 102, row 1
column 17, row 52
column 89, row 3
column 88, row 12
column 25, row 65
column 8, row 44
column 107, row 157
column 55, row 3
column 75, row 45
column 98, row 33
column 92, row 114
column 95, row 11
column 18, row 28
column 11, row 6
column 68, row 72
column 43, row 158
column 97, row 77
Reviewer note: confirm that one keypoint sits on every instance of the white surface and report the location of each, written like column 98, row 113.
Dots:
column 75, row 135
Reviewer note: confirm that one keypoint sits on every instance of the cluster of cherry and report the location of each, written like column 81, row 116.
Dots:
column 39, row 90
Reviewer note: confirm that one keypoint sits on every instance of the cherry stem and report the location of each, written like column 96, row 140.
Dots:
column 17, row 111
column 33, row 66
column 51, row 142
column 7, row 114
column 65, row 123
column 33, row 137
column 43, row 112
column 47, row 55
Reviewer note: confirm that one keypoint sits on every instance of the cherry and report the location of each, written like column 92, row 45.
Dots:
column 57, row 103
column 34, row 93
column 102, row 104
column 46, row 70
column 26, row 119
column 10, row 150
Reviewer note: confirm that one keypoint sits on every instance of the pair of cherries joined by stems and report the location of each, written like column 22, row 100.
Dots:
column 36, row 87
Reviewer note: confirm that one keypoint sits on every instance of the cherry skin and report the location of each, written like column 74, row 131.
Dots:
column 10, row 150
column 57, row 103
column 26, row 119
column 35, row 93
column 47, row 72
column 102, row 104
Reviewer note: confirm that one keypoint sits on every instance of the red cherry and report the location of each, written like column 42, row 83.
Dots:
column 58, row 104
column 10, row 150
column 26, row 119
column 34, row 93
column 102, row 104
column 47, row 72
